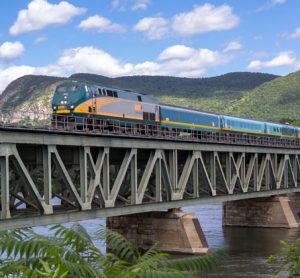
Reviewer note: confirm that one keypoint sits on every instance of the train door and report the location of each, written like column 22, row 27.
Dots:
column 222, row 122
column 92, row 96
column 94, row 101
column 265, row 128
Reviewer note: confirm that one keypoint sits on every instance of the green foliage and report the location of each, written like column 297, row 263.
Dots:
column 177, row 86
column 288, row 259
column 153, row 263
column 71, row 253
column 274, row 100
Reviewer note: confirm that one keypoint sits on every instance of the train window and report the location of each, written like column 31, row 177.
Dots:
column 88, row 89
column 109, row 93
column 139, row 98
column 99, row 91
column 152, row 117
column 145, row 116
column 63, row 89
column 115, row 94
column 104, row 92
column 148, row 116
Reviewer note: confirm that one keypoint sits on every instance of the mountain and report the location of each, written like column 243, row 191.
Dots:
column 34, row 93
column 176, row 86
column 30, row 91
column 274, row 100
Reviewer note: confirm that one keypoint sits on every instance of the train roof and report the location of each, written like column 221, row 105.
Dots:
column 124, row 93
column 189, row 109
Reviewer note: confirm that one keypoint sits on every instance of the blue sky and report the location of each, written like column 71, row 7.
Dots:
column 148, row 37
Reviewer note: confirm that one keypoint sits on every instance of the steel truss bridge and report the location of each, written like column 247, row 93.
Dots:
column 51, row 174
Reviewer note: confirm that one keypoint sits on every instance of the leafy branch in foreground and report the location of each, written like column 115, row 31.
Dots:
column 153, row 263
column 288, row 259
column 70, row 252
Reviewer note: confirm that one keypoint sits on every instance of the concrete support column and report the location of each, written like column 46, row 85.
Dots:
column 174, row 230
column 271, row 212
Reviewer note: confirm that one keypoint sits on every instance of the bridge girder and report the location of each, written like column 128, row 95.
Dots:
column 59, row 174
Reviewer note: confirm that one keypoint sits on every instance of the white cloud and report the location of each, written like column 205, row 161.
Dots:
column 93, row 60
column 204, row 19
column 140, row 5
column 233, row 45
column 101, row 24
column 282, row 59
column 11, row 73
column 176, row 52
column 154, row 28
column 180, row 60
column 118, row 4
column 295, row 34
column 11, row 50
column 40, row 39
column 176, row 60
column 134, row 5
column 41, row 14
column 270, row 4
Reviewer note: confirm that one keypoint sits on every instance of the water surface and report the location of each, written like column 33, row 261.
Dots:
column 247, row 248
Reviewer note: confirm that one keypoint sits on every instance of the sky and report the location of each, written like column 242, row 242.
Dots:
column 185, row 38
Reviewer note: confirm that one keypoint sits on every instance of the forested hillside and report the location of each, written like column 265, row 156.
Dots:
column 255, row 95
column 214, row 93
column 275, row 100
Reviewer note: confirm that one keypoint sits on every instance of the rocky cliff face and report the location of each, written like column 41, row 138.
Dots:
column 32, row 93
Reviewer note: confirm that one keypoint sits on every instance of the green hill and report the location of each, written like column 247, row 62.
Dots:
column 249, row 94
column 274, row 100
column 230, row 83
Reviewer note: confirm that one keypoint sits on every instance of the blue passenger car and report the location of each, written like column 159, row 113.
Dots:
column 190, row 119
column 274, row 129
column 242, row 125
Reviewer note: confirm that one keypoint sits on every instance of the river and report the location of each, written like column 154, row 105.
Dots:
column 247, row 248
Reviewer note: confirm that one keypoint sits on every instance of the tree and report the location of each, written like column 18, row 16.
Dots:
column 288, row 259
column 70, row 252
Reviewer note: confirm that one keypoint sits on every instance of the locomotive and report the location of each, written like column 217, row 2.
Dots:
column 84, row 101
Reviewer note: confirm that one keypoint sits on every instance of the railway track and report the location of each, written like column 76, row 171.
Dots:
column 45, row 123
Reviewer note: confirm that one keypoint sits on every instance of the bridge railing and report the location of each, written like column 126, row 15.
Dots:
column 53, row 122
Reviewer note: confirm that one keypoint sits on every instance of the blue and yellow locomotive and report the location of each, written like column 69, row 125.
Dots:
column 90, row 101
column 103, row 104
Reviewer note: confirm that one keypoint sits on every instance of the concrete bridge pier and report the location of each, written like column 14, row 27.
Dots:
column 270, row 212
column 174, row 230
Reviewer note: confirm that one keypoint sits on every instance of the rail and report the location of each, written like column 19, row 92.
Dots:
column 39, row 121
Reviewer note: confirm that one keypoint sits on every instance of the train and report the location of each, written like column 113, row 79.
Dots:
column 83, row 100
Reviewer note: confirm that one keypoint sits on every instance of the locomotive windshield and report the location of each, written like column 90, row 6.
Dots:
column 64, row 89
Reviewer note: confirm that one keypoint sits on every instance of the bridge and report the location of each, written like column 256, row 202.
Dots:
column 53, row 174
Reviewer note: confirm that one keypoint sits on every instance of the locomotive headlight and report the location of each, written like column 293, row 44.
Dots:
column 72, row 106
column 54, row 107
